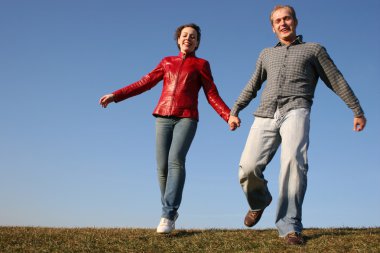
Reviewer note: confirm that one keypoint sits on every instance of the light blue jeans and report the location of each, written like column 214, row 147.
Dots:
column 292, row 132
column 173, row 140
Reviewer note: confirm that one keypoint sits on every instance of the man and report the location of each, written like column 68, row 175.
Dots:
column 291, row 69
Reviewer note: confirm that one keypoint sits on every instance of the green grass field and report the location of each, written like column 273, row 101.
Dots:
column 36, row 239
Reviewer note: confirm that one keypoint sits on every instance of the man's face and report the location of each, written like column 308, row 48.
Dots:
column 284, row 26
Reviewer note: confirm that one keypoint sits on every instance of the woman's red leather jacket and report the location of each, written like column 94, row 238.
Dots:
column 183, row 77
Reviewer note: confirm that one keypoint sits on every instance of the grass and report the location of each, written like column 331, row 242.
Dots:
column 39, row 239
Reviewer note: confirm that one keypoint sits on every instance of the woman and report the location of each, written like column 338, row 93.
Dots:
column 176, row 114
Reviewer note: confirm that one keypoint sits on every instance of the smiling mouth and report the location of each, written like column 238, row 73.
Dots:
column 284, row 30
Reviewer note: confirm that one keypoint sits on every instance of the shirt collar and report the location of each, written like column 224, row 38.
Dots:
column 297, row 41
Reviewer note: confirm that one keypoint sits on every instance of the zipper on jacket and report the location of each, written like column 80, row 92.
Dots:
column 176, row 82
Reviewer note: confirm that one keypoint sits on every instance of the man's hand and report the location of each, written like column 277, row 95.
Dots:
column 359, row 123
column 233, row 122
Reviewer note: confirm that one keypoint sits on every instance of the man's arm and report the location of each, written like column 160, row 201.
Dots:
column 334, row 79
column 250, row 90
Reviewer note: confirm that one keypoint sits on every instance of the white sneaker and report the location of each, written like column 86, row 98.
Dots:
column 166, row 226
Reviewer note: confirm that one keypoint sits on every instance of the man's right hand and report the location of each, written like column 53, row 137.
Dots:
column 233, row 122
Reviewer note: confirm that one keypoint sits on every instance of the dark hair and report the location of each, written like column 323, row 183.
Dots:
column 290, row 8
column 178, row 31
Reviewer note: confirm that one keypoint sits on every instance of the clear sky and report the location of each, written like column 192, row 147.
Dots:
column 67, row 162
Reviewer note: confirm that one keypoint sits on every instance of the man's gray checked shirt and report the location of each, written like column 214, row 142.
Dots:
column 292, row 73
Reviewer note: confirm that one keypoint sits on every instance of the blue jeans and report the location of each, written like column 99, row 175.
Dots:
column 173, row 140
column 292, row 131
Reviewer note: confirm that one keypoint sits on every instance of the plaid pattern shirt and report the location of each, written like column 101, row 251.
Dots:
column 292, row 73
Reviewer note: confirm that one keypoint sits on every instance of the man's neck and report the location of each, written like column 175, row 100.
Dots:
column 288, row 41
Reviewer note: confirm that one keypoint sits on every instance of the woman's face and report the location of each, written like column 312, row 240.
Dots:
column 188, row 40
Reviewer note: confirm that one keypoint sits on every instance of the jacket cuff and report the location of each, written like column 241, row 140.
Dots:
column 115, row 97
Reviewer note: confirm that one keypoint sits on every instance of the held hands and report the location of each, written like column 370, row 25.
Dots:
column 106, row 99
column 359, row 123
column 233, row 122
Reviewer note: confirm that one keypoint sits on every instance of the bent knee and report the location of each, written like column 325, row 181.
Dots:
column 246, row 172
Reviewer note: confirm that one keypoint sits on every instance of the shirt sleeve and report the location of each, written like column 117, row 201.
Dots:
column 334, row 79
column 252, row 87
column 145, row 83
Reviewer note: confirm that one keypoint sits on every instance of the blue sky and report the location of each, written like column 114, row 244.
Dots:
column 67, row 162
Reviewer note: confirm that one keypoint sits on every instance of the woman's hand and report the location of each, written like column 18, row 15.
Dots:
column 106, row 99
column 233, row 122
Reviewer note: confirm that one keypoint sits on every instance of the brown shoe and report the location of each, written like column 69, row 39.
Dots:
column 294, row 238
column 253, row 217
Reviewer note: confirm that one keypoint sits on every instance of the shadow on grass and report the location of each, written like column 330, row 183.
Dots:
column 344, row 232
column 181, row 234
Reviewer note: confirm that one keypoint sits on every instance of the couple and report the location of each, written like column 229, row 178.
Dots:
column 291, row 70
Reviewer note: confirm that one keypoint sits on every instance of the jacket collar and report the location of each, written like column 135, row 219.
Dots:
column 183, row 56
column 297, row 41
